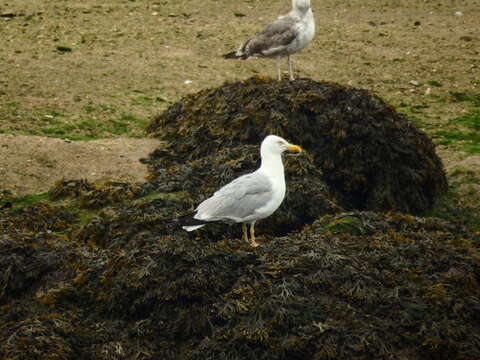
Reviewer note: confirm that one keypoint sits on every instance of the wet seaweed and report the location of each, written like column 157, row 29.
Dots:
column 95, row 194
column 368, row 153
column 330, row 281
column 398, row 284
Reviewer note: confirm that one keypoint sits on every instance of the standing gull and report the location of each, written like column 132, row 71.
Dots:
column 283, row 37
column 250, row 197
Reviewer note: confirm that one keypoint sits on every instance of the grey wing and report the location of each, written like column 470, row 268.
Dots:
column 237, row 200
column 273, row 39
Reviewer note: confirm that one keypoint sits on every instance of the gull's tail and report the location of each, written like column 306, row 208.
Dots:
column 189, row 223
column 234, row 55
column 191, row 228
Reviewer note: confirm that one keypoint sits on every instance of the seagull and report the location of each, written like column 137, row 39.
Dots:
column 250, row 197
column 283, row 37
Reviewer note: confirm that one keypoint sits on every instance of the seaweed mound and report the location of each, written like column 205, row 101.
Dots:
column 357, row 285
column 370, row 157
column 105, row 272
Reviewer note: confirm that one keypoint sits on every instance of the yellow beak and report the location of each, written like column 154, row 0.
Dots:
column 294, row 148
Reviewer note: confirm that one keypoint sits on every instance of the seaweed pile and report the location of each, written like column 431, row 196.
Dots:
column 355, row 285
column 106, row 273
column 367, row 153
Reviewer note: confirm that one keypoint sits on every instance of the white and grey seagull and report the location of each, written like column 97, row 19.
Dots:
column 283, row 37
column 250, row 197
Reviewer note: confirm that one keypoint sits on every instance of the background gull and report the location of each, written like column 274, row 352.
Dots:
column 283, row 37
column 250, row 197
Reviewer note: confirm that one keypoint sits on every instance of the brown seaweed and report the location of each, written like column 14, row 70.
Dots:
column 378, row 286
column 127, row 282
column 368, row 153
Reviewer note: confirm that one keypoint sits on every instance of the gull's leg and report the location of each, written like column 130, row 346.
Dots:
column 244, row 231
column 290, row 68
column 279, row 72
column 252, row 235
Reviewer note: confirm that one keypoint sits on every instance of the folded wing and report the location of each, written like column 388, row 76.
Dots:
column 238, row 200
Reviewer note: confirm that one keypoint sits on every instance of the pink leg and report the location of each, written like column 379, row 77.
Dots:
column 252, row 235
column 244, row 232
column 279, row 72
column 290, row 68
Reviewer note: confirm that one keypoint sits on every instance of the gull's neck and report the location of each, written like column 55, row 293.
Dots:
column 272, row 164
column 301, row 7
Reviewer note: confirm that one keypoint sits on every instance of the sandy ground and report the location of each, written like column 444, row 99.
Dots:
column 32, row 164
column 135, row 57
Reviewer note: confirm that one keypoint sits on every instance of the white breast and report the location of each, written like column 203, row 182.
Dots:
column 305, row 30
column 279, row 188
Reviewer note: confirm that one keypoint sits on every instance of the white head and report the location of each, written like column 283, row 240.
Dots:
column 301, row 5
column 273, row 144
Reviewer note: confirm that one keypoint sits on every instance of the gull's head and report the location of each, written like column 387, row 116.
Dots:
column 301, row 5
column 273, row 144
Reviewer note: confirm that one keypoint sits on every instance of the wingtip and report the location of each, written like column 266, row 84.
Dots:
column 189, row 223
column 231, row 55
column 191, row 228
